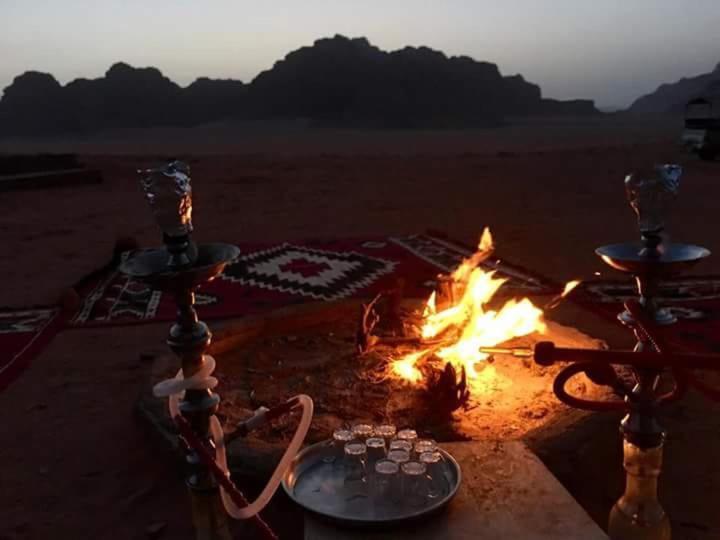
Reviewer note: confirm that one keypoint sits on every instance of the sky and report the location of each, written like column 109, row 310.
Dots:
column 611, row 51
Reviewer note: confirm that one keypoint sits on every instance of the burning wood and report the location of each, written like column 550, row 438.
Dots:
column 365, row 340
column 368, row 320
column 451, row 287
column 448, row 390
column 452, row 335
column 444, row 355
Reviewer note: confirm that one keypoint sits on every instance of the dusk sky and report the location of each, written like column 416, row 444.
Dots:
column 610, row 50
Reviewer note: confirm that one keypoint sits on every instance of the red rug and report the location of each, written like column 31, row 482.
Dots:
column 266, row 277
column 695, row 301
column 23, row 334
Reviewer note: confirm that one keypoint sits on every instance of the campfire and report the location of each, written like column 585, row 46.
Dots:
column 405, row 360
column 455, row 323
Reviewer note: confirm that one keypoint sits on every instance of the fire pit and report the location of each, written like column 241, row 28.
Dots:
column 409, row 361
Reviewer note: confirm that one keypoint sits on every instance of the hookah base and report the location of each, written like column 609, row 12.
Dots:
column 638, row 514
column 209, row 518
column 622, row 526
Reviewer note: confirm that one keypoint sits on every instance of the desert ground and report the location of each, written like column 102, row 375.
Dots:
column 76, row 462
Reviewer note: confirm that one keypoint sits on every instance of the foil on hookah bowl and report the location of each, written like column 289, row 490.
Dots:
column 168, row 192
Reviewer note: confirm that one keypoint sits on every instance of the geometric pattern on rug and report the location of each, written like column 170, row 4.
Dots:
column 315, row 273
column 23, row 333
column 263, row 278
column 695, row 302
column 669, row 291
column 271, row 276
column 117, row 298
column 25, row 321
column 447, row 255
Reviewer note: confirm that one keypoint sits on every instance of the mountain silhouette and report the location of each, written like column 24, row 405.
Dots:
column 672, row 97
column 337, row 81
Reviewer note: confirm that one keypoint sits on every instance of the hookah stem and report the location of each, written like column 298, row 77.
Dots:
column 189, row 339
column 187, row 319
column 224, row 480
column 646, row 326
column 638, row 513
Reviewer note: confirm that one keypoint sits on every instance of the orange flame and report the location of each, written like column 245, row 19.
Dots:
column 475, row 325
column 405, row 367
column 484, row 249
column 569, row 286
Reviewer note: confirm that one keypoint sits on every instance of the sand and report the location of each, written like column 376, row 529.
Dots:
column 76, row 464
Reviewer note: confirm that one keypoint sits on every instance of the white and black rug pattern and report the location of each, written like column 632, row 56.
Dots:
column 315, row 273
column 447, row 256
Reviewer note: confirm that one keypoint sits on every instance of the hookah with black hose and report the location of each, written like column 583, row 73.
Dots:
column 638, row 514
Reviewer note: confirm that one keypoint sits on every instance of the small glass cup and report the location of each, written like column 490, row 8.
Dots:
column 375, row 451
column 399, row 444
column 424, row 445
column 340, row 438
column 355, row 468
column 409, row 435
column 386, row 483
column 362, row 431
column 399, row 456
column 414, row 484
column 436, row 484
column 386, row 431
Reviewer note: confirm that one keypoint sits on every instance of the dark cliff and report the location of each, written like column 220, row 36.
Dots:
column 672, row 97
column 336, row 81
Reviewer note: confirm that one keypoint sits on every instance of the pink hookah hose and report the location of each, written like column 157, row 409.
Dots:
column 224, row 480
column 235, row 503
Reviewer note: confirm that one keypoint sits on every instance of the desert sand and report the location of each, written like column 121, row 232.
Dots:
column 76, row 463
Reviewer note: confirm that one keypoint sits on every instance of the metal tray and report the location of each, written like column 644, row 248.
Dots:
column 315, row 484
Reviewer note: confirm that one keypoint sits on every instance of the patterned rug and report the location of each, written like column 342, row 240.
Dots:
column 263, row 278
column 695, row 302
column 266, row 277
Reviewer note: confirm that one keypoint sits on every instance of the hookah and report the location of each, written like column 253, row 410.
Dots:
column 638, row 514
column 179, row 268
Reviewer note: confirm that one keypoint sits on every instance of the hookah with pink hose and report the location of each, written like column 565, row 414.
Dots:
column 179, row 268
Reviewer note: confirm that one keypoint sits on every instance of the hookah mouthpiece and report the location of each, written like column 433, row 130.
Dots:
column 517, row 352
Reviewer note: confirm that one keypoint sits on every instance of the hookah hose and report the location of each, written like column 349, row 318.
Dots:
column 646, row 326
column 599, row 374
column 235, row 503
column 604, row 374
column 596, row 366
column 221, row 476
column 683, row 377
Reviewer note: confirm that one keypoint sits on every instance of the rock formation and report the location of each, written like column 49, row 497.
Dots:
column 337, row 81
column 672, row 97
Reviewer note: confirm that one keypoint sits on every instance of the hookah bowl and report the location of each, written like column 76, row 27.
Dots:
column 648, row 269
column 650, row 194
column 179, row 268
